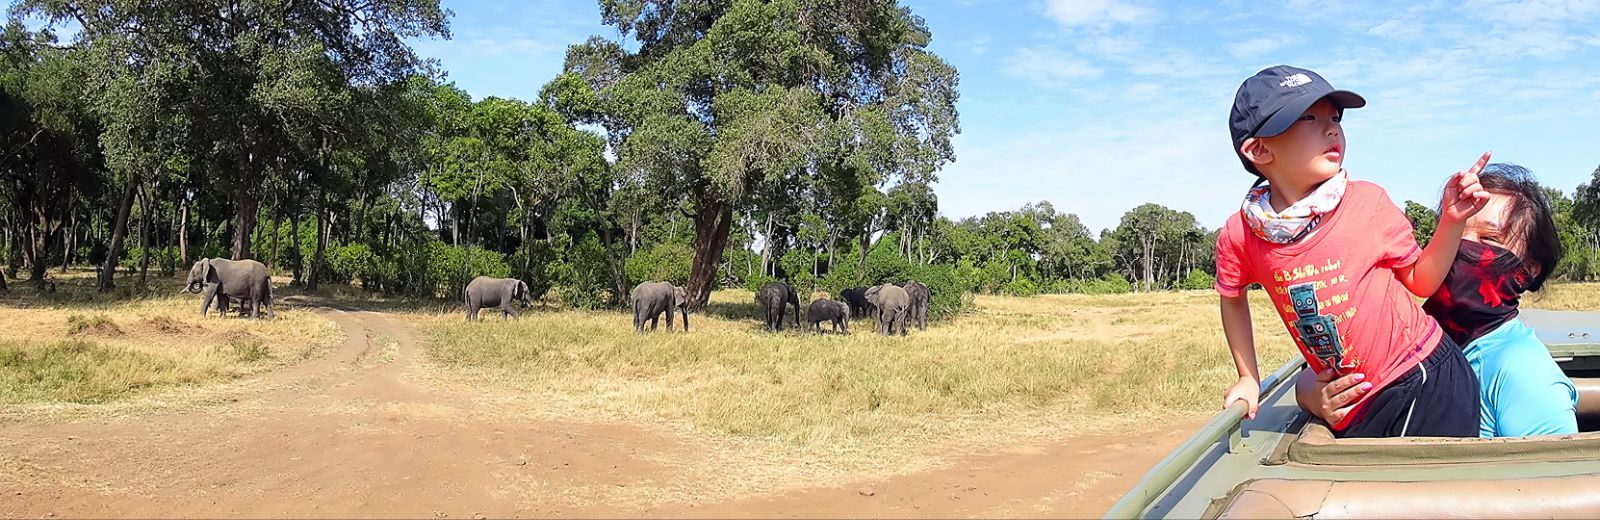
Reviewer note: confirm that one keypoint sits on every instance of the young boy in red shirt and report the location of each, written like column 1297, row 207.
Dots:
column 1340, row 264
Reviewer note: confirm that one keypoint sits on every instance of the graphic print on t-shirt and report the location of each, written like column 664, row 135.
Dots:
column 1318, row 332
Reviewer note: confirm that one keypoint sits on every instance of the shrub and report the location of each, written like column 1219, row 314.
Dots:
column 946, row 296
column 1019, row 287
column 664, row 262
column 1198, row 279
column 1111, row 283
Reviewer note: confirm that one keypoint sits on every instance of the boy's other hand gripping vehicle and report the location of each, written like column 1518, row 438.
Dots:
column 1287, row 464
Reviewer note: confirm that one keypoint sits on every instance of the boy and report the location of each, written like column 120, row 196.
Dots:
column 1340, row 264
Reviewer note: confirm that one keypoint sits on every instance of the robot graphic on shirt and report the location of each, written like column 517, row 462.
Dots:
column 1318, row 332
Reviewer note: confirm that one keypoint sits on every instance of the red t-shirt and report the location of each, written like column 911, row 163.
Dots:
column 1349, row 261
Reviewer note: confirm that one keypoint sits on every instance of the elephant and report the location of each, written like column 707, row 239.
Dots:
column 772, row 298
column 856, row 298
column 889, row 304
column 917, row 312
column 650, row 299
column 246, row 280
column 485, row 292
column 829, row 310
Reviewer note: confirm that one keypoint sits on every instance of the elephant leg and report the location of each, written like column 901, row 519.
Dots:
column 509, row 311
column 205, row 302
column 655, row 319
column 669, row 318
column 638, row 320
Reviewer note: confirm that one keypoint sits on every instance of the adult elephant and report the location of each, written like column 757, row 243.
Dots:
column 856, row 298
column 650, row 299
column 487, row 293
column 245, row 280
column 917, row 312
column 772, row 297
column 889, row 303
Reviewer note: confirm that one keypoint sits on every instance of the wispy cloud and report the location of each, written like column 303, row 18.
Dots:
column 1258, row 47
column 1518, row 12
column 1049, row 66
column 1099, row 13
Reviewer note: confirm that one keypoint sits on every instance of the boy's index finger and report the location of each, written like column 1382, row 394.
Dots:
column 1482, row 161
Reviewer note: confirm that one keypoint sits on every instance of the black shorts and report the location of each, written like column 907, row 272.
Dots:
column 1437, row 398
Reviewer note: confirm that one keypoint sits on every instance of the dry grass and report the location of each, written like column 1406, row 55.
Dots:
column 1566, row 297
column 1014, row 367
column 74, row 347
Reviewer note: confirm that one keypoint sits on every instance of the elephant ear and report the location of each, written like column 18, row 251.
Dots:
column 208, row 273
column 680, row 297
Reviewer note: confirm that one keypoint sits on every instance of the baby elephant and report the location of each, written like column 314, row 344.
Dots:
column 650, row 299
column 829, row 310
column 485, row 292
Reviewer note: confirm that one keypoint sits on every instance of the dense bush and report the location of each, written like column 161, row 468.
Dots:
column 664, row 262
column 583, row 280
column 1198, row 279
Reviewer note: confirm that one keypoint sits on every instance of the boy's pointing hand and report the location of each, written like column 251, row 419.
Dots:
column 1463, row 195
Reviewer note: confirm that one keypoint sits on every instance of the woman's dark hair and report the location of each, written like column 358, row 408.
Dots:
column 1529, row 220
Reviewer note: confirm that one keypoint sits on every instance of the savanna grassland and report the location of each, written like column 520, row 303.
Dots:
column 73, row 348
column 1039, row 406
column 1014, row 368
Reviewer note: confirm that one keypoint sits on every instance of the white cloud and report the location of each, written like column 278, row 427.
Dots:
column 1398, row 29
column 1258, row 47
column 1099, row 13
column 1049, row 66
column 1520, row 12
column 977, row 45
column 1111, row 47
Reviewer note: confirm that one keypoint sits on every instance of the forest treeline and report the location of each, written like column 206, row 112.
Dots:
column 710, row 143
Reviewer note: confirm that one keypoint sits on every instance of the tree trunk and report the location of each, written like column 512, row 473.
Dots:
column 294, row 245
column 766, row 248
column 272, row 258
column 324, row 225
column 39, row 247
column 69, row 241
column 183, row 234
column 144, row 237
column 108, row 270
column 711, row 226
column 244, row 222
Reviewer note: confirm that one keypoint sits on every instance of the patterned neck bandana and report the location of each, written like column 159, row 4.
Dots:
column 1297, row 221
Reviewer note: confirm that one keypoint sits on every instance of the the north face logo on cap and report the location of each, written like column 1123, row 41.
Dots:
column 1294, row 80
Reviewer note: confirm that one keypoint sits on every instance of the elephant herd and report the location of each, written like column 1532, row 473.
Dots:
column 892, row 307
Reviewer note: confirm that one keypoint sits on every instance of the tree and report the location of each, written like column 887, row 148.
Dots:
column 245, row 87
column 1423, row 221
column 1155, row 243
column 724, row 100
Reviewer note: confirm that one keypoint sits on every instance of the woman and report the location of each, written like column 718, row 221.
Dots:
column 1508, row 248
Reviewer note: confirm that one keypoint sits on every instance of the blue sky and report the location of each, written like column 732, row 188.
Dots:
column 1101, row 105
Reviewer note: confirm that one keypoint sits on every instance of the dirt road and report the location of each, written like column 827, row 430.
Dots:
column 365, row 432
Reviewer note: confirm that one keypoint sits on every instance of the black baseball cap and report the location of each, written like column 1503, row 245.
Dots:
column 1271, row 101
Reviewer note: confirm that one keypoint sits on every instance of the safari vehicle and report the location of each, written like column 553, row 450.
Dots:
column 1286, row 463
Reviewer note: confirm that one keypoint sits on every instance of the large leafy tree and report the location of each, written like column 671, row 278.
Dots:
column 725, row 100
column 245, row 88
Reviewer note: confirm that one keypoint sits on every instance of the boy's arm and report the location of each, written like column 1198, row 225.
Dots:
column 1463, row 198
column 1239, row 331
column 1424, row 276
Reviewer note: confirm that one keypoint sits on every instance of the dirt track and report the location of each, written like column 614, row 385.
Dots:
column 363, row 433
